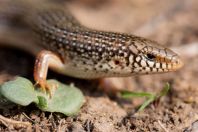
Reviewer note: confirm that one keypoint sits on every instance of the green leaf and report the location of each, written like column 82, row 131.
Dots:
column 5, row 103
column 65, row 99
column 164, row 90
column 129, row 94
column 19, row 91
column 150, row 96
column 42, row 102
column 146, row 103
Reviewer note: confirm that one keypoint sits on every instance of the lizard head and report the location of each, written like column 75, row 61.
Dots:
column 138, row 55
column 150, row 57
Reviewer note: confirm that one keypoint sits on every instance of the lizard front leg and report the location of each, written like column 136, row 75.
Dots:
column 44, row 60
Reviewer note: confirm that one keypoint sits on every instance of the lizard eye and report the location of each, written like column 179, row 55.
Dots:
column 150, row 57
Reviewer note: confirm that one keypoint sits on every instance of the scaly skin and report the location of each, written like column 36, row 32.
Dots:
column 82, row 52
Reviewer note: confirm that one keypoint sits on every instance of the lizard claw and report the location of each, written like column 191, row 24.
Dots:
column 45, row 87
column 44, row 60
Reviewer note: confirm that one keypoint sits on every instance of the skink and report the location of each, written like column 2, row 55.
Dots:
column 78, row 51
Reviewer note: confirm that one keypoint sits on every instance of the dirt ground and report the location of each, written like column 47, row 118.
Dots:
column 170, row 22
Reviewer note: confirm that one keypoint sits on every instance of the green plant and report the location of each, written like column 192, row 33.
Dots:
column 150, row 97
column 65, row 99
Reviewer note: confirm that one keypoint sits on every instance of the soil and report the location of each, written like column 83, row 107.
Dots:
column 171, row 22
